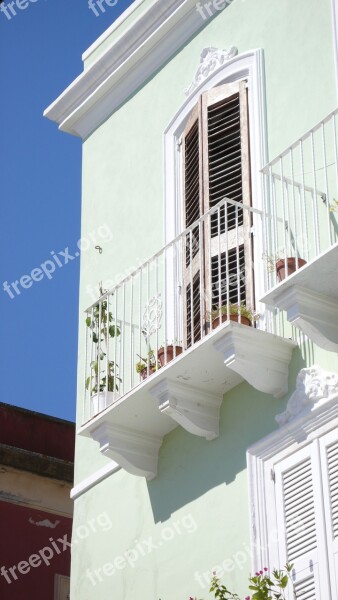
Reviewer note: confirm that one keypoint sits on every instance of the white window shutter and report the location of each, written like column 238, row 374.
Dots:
column 329, row 459
column 300, row 523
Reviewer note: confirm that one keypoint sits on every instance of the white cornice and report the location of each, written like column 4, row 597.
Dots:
column 105, row 35
column 127, row 64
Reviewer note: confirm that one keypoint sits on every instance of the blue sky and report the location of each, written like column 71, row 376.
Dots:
column 40, row 191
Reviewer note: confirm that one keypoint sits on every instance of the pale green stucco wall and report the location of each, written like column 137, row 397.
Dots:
column 123, row 188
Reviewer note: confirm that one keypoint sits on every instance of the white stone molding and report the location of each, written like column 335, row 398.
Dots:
column 211, row 59
column 134, row 451
column 313, row 313
column 261, row 458
column 261, row 358
column 314, row 387
column 89, row 482
column 195, row 410
column 132, row 58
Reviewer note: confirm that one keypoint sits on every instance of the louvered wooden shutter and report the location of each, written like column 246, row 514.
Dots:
column 329, row 459
column 301, row 524
column 226, row 174
column 193, row 244
column 215, row 167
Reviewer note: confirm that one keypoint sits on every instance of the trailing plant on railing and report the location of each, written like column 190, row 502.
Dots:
column 263, row 586
column 102, row 328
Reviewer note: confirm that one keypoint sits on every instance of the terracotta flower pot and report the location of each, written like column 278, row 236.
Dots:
column 292, row 267
column 218, row 320
column 170, row 354
column 144, row 373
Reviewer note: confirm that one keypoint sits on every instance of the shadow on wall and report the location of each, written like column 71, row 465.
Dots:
column 190, row 466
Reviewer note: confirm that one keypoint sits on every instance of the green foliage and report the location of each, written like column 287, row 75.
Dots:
column 102, row 329
column 263, row 586
column 151, row 360
column 220, row 591
column 234, row 309
column 271, row 588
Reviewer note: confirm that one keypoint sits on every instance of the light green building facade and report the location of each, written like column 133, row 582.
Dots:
column 196, row 481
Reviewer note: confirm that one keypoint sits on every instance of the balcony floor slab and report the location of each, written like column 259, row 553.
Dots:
column 140, row 415
column 319, row 275
column 310, row 297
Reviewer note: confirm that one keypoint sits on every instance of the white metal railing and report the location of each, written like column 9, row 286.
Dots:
column 301, row 201
column 199, row 280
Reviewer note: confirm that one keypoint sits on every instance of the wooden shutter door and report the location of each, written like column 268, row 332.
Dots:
column 301, row 526
column 193, row 278
column 226, row 174
column 329, row 458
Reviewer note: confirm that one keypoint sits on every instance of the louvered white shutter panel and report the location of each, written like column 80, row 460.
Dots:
column 329, row 459
column 300, row 523
column 226, row 174
column 193, row 258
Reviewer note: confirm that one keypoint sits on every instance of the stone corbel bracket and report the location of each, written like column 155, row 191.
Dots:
column 195, row 410
column 261, row 358
column 315, row 314
column 134, row 451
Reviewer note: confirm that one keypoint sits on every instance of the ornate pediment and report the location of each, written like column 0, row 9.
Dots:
column 211, row 59
column 314, row 387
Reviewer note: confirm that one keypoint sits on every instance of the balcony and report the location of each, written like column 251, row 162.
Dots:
column 170, row 340
column 301, row 245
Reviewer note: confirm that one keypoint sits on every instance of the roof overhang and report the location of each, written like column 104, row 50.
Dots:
column 130, row 60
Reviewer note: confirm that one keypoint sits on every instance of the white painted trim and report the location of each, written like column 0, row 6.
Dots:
column 261, row 458
column 125, row 66
column 250, row 66
column 335, row 37
column 105, row 35
column 88, row 483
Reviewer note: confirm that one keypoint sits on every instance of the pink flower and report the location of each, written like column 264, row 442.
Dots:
column 266, row 569
column 247, row 598
column 261, row 572
column 214, row 573
column 258, row 574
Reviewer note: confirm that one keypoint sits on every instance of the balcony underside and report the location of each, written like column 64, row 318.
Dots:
column 189, row 392
column 310, row 297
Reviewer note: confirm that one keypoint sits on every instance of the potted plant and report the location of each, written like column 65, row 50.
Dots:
column 221, row 314
column 145, row 363
column 173, row 349
column 102, row 381
column 277, row 264
column 287, row 266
